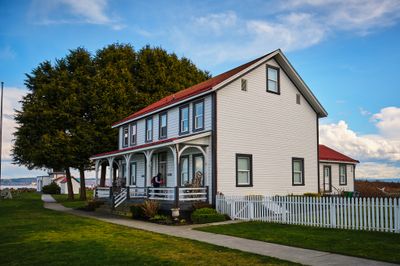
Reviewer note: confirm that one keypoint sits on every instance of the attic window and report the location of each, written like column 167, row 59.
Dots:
column 273, row 79
column 244, row 84
column 298, row 98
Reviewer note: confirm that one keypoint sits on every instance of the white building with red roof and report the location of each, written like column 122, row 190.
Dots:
column 249, row 131
column 337, row 171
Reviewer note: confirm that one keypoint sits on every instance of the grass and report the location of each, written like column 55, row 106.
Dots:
column 32, row 235
column 372, row 245
column 76, row 203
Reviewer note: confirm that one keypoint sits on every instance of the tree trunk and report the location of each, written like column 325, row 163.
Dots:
column 82, row 192
column 69, row 184
column 103, row 175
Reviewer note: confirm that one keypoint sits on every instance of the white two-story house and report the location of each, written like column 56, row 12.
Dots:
column 252, row 130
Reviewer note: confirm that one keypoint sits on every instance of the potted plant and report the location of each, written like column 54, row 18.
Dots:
column 175, row 213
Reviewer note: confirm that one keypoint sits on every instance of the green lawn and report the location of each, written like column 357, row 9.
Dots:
column 76, row 203
column 32, row 235
column 372, row 245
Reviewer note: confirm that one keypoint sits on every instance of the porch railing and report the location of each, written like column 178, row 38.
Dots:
column 103, row 193
column 181, row 194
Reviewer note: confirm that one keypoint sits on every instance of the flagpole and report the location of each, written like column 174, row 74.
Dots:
column 1, row 129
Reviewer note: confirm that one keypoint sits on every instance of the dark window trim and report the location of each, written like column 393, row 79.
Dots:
column 130, row 172
column 193, row 160
column 180, row 119
column 135, row 139
column 278, row 79
column 194, row 115
column 180, row 168
column 330, row 178
column 123, row 136
column 345, row 174
column 250, row 156
column 152, row 130
column 302, row 171
column 159, row 125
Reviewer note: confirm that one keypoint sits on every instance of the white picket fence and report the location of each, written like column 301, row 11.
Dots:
column 374, row 214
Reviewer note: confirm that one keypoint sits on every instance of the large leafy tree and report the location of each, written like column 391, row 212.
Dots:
column 66, row 115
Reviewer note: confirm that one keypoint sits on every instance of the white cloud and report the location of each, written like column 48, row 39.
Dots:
column 7, row 52
column 74, row 11
column 292, row 25
column 372, row 149
column 364, row 112
column 388, row 122
column 377, row 170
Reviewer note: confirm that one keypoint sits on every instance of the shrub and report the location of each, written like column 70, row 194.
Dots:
column 310, row 194
column 206, row 215
column 150, row 208
column 201, row 204
column 161, row 219
column 52, row 188
column 137, row 211
column 91, row 206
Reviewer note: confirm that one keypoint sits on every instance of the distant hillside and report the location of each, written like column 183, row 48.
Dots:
column 390, row 180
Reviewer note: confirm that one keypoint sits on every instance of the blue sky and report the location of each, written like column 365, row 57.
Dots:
column 348, row 52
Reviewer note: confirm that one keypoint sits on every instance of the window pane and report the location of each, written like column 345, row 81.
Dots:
column 185, row 119
column 272, row 74
column 297, row 178
column 297, row 166
column 163, row 120
column 243, row 178
column 198, row 164
column 243, row 164
column 272, row 86
column 184, row 170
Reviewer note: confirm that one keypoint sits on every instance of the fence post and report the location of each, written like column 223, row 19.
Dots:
column 233, row 215
column 251, row 206
column 284, row 210
column 127, row 192
column 332, row 212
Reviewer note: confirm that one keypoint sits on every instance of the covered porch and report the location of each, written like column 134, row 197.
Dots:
column 183, row 167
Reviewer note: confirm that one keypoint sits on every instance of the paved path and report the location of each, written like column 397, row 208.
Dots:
column 299, row 255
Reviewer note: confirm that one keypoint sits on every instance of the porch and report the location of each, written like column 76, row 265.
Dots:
column 183, row 167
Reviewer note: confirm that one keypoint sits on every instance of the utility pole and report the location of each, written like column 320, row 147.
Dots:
column 1, row 129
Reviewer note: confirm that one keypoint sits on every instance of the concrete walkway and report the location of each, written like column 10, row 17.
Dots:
column 299, row 255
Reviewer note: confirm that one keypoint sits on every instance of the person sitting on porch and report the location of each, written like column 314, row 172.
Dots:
column 156, row 181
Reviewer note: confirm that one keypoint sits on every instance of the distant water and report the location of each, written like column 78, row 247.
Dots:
column 18, row 186
column 394, row 180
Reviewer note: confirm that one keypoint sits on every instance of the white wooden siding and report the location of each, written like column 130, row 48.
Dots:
column 335, row 176
column 173, row 123
column 271, row 127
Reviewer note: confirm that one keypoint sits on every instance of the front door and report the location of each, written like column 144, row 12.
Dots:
column 162, row 167
column 132, row 178
column 327, row 179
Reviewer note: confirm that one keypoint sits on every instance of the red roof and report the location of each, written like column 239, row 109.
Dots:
column 64, row 179
column 189, row 92
column 328, row 154
column 135, row 147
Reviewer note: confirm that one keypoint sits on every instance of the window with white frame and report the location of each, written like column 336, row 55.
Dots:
column 273, row 79
column 184, row 119
column 133, row 134
column 149, row 129
column 244, row 175
column 298, row 171
column 198, row 115
column 163, row 125
column 342, row 175
column 125, row 136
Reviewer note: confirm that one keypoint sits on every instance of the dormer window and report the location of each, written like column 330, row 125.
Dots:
column 273, row 79
column 149, row 129
column 184, row 119
column 125, row 136
column 198, row 115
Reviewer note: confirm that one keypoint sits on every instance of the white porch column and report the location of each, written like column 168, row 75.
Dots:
column 127, row 168
column 96, row 169
column 110, row 165
column 148, row 155
column 174, row 150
